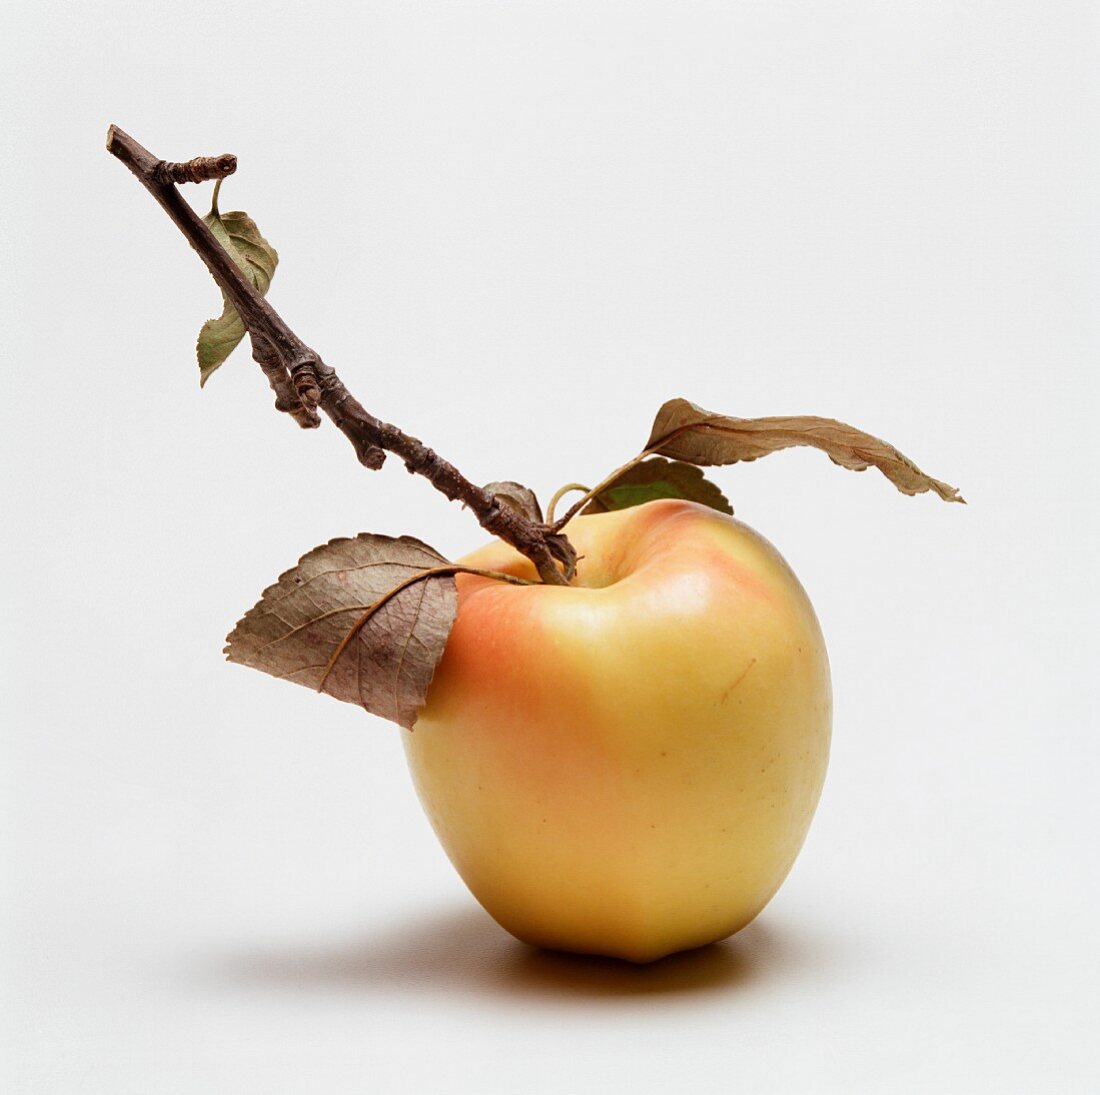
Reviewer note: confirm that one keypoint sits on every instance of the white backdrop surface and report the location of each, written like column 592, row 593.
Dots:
column 516, row 228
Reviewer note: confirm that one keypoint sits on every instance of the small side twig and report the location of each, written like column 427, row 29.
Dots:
column 303, row 383
column 200, row 169
column 286, row 398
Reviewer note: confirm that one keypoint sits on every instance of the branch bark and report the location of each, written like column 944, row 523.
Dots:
column 302, row 382
column 200, row 169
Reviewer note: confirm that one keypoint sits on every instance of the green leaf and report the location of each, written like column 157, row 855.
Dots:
column 658, row 478
column 257, row 259
column 685, row 431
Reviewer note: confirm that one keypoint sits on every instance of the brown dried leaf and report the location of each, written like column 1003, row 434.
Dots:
column 687, row 432
column 658, row 478
column 296, row 629
column 519, row 497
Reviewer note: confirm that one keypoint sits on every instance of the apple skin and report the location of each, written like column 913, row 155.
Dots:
column 628, row 766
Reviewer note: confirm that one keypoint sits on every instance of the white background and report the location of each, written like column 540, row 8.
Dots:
column 516, row 228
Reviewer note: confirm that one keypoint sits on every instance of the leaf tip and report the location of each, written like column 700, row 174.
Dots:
column 947, row 492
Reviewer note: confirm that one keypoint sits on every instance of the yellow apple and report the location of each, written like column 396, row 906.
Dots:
column 628, row 765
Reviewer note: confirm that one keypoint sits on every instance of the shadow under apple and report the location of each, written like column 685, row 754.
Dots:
column 463, row 951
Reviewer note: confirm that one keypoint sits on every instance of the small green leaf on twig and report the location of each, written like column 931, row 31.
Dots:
column 257, row 259
column 687, row 432
column 365, row 620
column 658, row 478
column 518, row 497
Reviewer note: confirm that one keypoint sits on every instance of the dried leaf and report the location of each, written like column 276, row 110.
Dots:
column 257, row 259
column 519, row 497
column 658, row 478
column 687, row 432
column 299, row 630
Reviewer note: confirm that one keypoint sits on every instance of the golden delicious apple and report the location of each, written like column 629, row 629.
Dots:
column 628, row 765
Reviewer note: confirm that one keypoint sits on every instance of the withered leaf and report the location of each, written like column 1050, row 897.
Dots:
column 299, row 629
column 658, row 478
column 687, row 432
column 257, row 259
column 519, row 497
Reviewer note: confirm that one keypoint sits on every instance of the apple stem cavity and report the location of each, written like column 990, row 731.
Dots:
column 303, row 384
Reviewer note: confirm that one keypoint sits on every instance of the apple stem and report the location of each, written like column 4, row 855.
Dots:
column 303, row 383
column 590, row 492
column 559, row 494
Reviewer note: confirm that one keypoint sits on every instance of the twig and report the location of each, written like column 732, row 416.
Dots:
column 286, row 398
column 302, row 382
column 200, row 169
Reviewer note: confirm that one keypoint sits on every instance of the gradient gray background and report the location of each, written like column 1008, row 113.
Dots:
column 516, row 228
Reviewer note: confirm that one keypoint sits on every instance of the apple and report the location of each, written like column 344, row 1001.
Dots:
column 628, row 766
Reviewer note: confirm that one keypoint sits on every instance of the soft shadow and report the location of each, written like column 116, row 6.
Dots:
column 464, row 951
